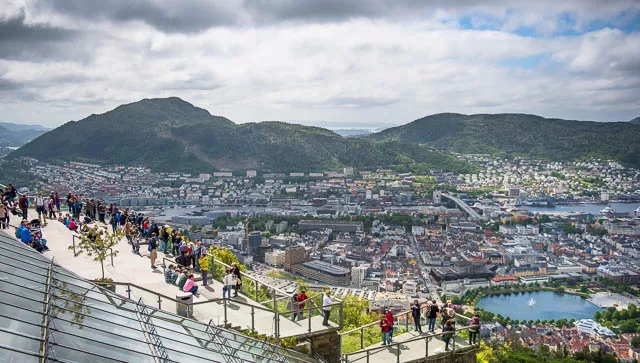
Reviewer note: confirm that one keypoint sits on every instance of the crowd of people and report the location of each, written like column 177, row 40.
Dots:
column 433, row 310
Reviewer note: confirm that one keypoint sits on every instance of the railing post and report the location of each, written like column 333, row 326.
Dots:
column 224, row 301
column 367, row 356
column 253, row 314
column 406, row 323
column 453, row 337
column 277, row 317
column 129, row 291
column 426, row 347
column 159, row 302
column 361, row 338
column 397, row 352
column 308, row 318
column 255, row 283
column 341, row 315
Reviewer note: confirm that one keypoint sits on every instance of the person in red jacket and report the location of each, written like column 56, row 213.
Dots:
column 384, row 328
column 390, row 320
column 302, row 297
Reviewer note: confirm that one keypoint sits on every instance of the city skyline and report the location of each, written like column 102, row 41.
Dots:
column 351, row 63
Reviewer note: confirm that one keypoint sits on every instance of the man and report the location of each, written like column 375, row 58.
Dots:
column 390, row 320
column 153, row 250
column 326, row 307
column 23, row 203
column 432, row 315
column 40, row 208
column 238, row 277
column 302, row 299
column 203, row 261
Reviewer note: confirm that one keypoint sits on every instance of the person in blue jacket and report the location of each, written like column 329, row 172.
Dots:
column 25, row 234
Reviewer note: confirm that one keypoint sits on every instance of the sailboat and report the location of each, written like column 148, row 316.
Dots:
column 532, row 302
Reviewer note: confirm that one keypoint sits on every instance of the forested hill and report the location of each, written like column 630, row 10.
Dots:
column 520, row 134
column 170, row 134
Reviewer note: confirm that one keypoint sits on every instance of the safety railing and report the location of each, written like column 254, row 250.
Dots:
column 359, row 339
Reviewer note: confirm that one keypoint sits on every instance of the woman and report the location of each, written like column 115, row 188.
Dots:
column 448, row 331
column 229, row 282
column 4, row 215
column 385, row 328
column 474, row 328
column 191, row 286
column 415, row 312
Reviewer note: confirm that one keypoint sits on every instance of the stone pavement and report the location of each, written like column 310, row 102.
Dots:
column 136, row 269
column 407, row 352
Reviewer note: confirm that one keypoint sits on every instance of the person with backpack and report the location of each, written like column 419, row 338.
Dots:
column 448, row 331
column 302, row 300
column 432, row 315
column 293, row 305
column 153, row 253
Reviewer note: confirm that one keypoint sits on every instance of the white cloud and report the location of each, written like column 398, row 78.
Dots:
column 357, row 69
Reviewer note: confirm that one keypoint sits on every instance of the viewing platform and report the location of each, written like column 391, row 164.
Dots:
column 135, row 279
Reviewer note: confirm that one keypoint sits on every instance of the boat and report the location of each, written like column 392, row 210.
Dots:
column 606, row 211
column 532, row 302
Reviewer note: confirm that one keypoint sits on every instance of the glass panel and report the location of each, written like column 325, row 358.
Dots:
column 19, row 326
column 136, row 343
column 20, row 342
column 9, row 356
column 95, row 347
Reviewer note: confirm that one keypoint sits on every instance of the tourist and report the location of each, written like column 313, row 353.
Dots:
column 326, row 307
column 23, row 204
column 4, row 215
column 39, row 203
column 384, row 328
column 302, row 300
column 293, row 306
column 238, row 278
column 56, row 201
column 432, row 316
column 229, row 282
column 51, row 207
column 390, row 320
column 25, row 233
column 197, row 250
column 174, row 274
column 182, row 279
column 102, row 210
column 191, row 286
column 448, row 331
column 153, row 250
column 73, row 226
column 204, row 266
column 114, row 223
column 415, row 313
column 474, row 328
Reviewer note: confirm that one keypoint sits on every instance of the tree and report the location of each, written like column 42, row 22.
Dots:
column 99, row 244
column 635, row 342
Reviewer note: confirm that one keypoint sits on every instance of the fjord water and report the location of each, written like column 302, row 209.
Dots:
column 548, row 305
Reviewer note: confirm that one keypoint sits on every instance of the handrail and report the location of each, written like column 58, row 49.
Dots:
column 419, row 338
column 403, row 313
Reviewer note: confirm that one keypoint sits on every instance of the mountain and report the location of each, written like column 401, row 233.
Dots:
column 521, row 134
column 635, row 120
column 170, row 134
column 14, row 135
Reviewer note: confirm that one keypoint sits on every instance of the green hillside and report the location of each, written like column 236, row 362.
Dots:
column 520, row 134
column 171, row 134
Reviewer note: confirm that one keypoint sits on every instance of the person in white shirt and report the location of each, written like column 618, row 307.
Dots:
column 229, row 282
column 326, row 307
column 39, row 202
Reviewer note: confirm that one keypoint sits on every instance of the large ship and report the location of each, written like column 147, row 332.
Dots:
column 607, row 211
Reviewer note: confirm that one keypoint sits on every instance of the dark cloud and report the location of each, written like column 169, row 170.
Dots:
column 185, row 16
column 19, row 40
column 8, row 85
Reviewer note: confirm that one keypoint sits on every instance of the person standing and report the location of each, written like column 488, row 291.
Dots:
column 23, row 203
column 238, row 278
column 102, row 211
column 56, row 201
column 448, row 331
column 432, row 315
column 416, row 313
column 294, row 306
column 390, row 320
column 4, row 213
column 153, row 250
column 384, row 328
column 204, row 266
column 228, row 282
column 302, row 300
column 326, row 307
column 474, row 328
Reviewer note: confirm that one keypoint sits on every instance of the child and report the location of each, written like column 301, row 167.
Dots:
column 182, row 279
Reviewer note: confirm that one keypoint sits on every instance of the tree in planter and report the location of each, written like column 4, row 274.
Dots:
column 99, row 244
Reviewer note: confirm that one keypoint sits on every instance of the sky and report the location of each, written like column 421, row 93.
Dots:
column 347, row 63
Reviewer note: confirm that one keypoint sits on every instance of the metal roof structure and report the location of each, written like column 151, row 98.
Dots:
column 48, row 314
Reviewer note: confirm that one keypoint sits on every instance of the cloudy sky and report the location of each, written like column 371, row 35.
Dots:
column 339, row 62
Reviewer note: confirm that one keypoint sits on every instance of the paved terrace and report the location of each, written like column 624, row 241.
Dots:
column 128, row 267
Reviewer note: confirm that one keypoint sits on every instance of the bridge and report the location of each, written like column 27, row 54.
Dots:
column 473, row 215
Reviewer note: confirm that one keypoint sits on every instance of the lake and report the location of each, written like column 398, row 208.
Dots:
column 549, row 305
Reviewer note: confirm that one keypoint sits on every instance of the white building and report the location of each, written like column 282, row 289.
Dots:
column 358, row 274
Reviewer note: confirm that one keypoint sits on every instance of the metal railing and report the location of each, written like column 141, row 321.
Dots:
column 402, row 325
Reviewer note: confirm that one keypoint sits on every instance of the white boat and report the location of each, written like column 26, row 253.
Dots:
column 532, row 302
column 637, row 212
column 607, row 211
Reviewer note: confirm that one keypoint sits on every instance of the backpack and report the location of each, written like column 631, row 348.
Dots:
column 152, row 241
